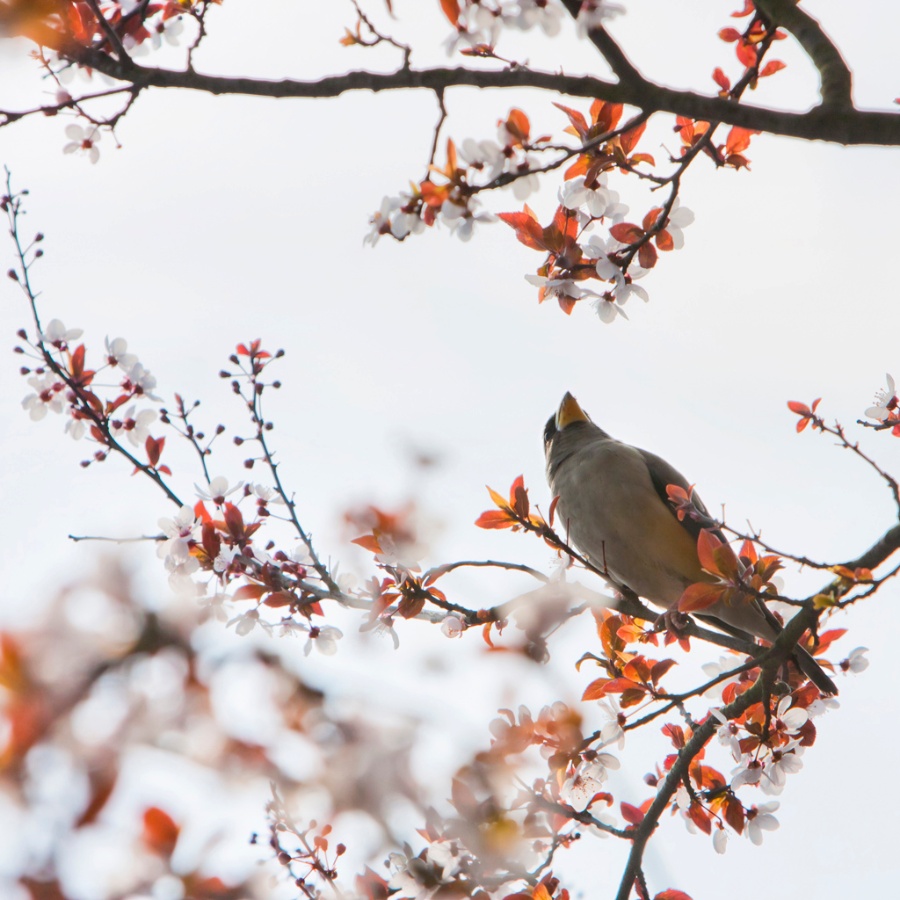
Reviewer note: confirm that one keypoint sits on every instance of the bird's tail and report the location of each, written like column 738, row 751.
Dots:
column 813, row 671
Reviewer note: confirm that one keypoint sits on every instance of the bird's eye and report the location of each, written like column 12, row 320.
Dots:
column 550, row 429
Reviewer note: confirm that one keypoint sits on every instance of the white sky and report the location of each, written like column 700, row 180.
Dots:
column 224, row 219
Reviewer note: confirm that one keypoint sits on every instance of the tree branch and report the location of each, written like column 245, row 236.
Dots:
column 844, row 126
column 837, row 82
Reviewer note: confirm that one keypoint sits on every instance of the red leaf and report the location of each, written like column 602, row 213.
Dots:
column 154, row 448
column 627, row 232
column 672, row 894
column 729, row 35
column 647, row 256
column 234, row 521
column 721, row 79
column 631, row 814
column 664, row 241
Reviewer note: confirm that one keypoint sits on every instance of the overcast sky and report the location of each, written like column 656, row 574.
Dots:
column 226, row 219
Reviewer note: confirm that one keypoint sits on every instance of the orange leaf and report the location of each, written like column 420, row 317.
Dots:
column 595, row 690
column 451, row 10
column 579, row 123
column 700, row 596
column 368, row 542
column 517, row 124
column 528, row 229
column 160, row 832
column 250, row 592
column 493, row 518
column 771, row 67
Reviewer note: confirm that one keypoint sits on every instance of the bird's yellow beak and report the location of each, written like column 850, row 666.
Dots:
column 569, row 411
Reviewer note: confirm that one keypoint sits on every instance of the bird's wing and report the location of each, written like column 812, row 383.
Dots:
column 663, row 474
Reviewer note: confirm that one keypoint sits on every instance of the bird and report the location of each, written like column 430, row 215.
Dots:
column 612, row 499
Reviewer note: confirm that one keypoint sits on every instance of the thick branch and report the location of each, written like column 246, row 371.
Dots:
column 844, row 126
column 837, row 81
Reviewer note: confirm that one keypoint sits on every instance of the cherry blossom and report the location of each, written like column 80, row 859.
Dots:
column 626, row 289
column 728, row 734
column 528, row 13
column 602, row 249
column 179, row 531
column 247, row 621
column 134, row 426
column 611, row 732
column 885, row 401
column 75, row 428
column 679, row 218
column 142, row 381
column 116, row 354
column 574, row 194
column 325, row 638
column 790, row 719
column 525, row 185
column 856, row 661
column 83, row 139
column 485, row 156
column 748, row 772
column 57, row 334
column 593, row 14
column 217, row 490
column 760, row 819
column 47, row 396
column 462, row 220
column 452, row 627
column 720, row 840
column 607, row 309
column 785, row 761
column 381, row 220
column 224, row 559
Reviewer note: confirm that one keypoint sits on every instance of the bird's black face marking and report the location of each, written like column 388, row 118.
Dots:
column 550, row 429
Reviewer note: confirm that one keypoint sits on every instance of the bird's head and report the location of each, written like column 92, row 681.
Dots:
column 566, row 430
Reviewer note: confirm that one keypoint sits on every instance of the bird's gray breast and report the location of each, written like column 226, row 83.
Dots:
column 614, row 516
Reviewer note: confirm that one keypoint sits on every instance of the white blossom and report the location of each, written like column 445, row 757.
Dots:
column 760, row 819
column 84, row 139
column 594, row 13
column 885, row 401
column 57, row 333
column 217, row 490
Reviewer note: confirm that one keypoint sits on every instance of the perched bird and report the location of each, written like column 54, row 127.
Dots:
column 614, row 505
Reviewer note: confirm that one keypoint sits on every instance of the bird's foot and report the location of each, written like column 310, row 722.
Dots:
column 674, row 621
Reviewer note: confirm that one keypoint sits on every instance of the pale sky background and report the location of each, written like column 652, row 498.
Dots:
column 225, row 219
